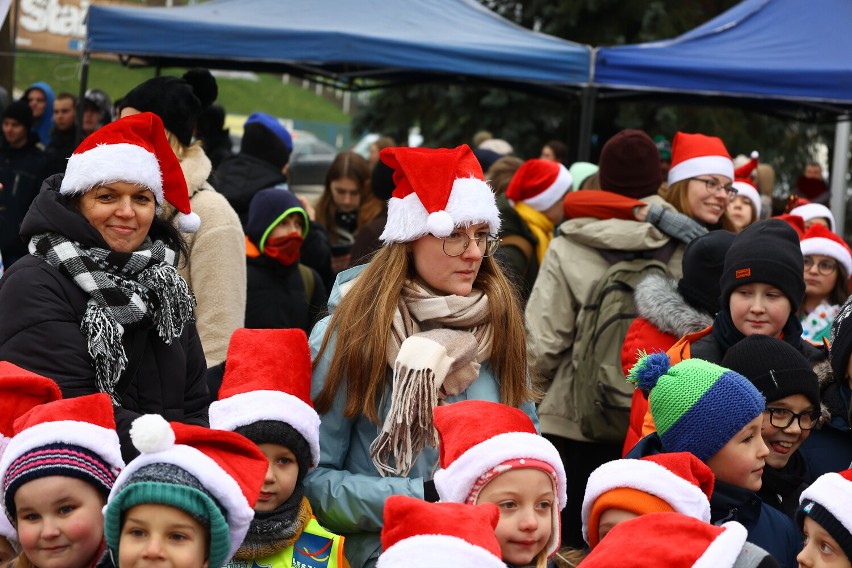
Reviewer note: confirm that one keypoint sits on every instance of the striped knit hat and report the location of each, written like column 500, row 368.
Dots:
column 697, row 406
column 74, row 437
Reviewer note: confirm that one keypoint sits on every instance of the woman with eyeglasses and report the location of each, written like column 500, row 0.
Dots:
column 828, row 263
column 430, row 320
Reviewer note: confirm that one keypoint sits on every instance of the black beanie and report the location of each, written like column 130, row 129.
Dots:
column 630, row 165
column 20, row 110
column 268, row 207
column 767, row 252
column 178, row 101
column 774, row 366
column 263, row 144
column 281, row 433
column 382, row 184
column 840, row 343
column 824, row 518
column 703, row 261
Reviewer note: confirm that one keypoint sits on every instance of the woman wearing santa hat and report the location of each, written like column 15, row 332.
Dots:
column 828, row 264
column 98, row 305
column 430, row 319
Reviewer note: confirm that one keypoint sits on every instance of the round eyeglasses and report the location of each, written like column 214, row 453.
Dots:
column 713, row 186
column 456, row 243
column 782, row 418
column 824, row 267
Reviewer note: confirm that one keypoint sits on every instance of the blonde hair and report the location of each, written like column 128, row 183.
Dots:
column 359, row 361
column 677, row 194
column 501, row 172
column 568, row 557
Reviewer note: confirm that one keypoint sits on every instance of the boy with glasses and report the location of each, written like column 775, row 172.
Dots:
column 784, row 376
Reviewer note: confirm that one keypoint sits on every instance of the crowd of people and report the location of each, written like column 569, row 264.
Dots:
column 455, row 356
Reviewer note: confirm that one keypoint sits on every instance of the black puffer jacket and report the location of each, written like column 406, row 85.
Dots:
column 239, row 177
column 40, row 315
column 277, row 299
column 21, row 172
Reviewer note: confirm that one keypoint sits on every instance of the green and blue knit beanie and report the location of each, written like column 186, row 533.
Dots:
column 697, row 406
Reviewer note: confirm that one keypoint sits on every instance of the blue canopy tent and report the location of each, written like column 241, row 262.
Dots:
column 779, row 50
column 770, row 55
column 350, row 43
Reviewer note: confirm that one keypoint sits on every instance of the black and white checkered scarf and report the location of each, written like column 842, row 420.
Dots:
column 124, row 289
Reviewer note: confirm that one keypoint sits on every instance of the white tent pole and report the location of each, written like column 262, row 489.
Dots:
column 839, row 167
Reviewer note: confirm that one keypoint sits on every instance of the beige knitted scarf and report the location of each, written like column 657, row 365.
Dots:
column 435, row 348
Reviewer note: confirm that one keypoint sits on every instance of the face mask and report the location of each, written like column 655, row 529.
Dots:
column 285, row 250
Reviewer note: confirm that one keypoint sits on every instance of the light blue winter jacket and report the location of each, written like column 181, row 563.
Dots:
column 346, row 492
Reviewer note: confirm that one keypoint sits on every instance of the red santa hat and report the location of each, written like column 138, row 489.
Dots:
column 819, row 240
column 436, row 191
column 539, row 184
column 135, row 150
column 748, row 165
column 747, row 189
column 229, row 466
column 669, row 539
column 696, row 155
column 418, row 534
column 477, row 437
column 20, row 392
column 72, row 437
column 268, row 377
column 810, row 211
column 680, row 480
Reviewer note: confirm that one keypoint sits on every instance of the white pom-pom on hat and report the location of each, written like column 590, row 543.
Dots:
column 189, row 223
column 440, row 224
column 151, row 433
column 754, row 154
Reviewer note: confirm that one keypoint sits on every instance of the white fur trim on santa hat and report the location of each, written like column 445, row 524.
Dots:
column 827, row 247
column 215, row 480
column 748, row 191
column 648, row 477
column 702, row 166
column 107, row 163
column 834, row 493
column 554, row 192
column 253, row 406
column 471, row 201
column 101, row 441
column 430, row 550
column 725, row 548
column 810, row 211
column 455, row 483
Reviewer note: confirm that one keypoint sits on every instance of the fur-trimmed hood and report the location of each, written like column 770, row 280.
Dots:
column 659, row 302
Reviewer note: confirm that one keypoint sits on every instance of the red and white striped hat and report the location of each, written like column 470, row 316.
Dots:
column 696, row 155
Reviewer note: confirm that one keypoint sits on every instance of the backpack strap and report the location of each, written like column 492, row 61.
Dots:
column 663, row 253
column 308, row 280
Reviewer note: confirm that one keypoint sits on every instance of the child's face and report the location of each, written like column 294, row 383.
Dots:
column 783, row 442
column 817, row 284
column 281, row 476
column 740, row 212
column 60, row 524
column 820, row 550
column 159, row 535
column 740, row 462
column 612, row 517
column 758, row 308
column 292, row 223
column 525, row 498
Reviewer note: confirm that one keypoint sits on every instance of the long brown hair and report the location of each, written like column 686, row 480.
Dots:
column 355, row 167
column 676, row 194
column 362, row 322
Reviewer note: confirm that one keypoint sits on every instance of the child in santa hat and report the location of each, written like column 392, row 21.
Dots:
column 20, row 391
column 186, row 500
column 745, row 208
column 491, row 453
column 418, row 534
column 675, row 540
column 814, row 214
column 271, row 406
column 828, row 264
column 825, row 519
column 716, row 414
column 56, row 474
column 622, row 489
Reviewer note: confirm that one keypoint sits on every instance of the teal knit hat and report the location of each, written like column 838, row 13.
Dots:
column 697, row 406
